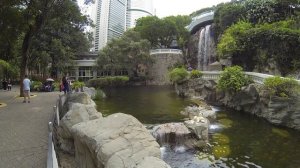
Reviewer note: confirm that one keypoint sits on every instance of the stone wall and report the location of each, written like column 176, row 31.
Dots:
column 116, row 141
column 158, row 72
column 251, row 99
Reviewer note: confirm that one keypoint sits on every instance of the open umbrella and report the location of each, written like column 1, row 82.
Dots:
column 50, row 79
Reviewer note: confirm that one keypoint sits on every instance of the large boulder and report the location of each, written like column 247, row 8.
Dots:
column 116, row 141
column 77, row 113
column 90, row 91
column 77, row 97
column 199, row 126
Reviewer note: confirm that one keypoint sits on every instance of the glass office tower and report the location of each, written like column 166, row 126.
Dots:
column 110, row 21
column 137, row 9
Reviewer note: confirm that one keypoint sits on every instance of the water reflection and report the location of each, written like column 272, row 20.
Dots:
column 236, row 139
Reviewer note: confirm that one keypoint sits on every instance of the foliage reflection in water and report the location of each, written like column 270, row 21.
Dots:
column 236, row 139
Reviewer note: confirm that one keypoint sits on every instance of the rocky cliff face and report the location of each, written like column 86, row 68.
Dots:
column 158, row 72
column 251, row 99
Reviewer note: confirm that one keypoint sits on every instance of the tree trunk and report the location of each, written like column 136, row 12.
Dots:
column 25, row 53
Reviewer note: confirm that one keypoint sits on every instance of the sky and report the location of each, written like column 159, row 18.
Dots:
column 181, row 7
column 165, row 8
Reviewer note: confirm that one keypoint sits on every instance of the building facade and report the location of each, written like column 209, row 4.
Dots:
column 110, row 21
column 137, row 9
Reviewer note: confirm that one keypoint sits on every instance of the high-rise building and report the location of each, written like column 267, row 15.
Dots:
column 112, row 17
column 110, row 21
column 137, row 9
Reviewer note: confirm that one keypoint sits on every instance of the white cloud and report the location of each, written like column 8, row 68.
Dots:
column 165, row 8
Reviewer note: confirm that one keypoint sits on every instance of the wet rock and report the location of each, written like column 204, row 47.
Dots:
column 199, row 126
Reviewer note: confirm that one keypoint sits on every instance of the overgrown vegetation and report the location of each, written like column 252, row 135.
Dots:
column 232, row 79
column 255, row 32
column 110, row 81
column 195, row 74
column 282, row 87
column 99, row 95
column 77, row 85
column 178, row 75
column 36, row 85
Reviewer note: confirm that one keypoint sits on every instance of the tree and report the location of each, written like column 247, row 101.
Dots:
column 125, row 53
column 34, row 24
column 162, row 32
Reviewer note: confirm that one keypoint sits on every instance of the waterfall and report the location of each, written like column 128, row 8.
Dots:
column 175, row 135
column 206, row 49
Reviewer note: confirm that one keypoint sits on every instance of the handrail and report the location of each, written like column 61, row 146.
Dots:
column 256, row 77
column 160, row 51
column 51, row 155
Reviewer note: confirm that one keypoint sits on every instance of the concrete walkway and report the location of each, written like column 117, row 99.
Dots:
column 24, row 129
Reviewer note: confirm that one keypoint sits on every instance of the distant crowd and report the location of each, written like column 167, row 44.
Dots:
column 6, row 84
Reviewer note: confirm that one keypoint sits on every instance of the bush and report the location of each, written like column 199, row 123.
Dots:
column 99, row 95
column 196, row 74
column 282, row 87
column 178, row 75
column 110, row 81
column 77, row 85
column 233, row 79
column 56, row 86
column 36, row 85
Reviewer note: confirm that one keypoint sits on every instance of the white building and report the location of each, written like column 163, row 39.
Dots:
column 110, row 21
column 137, row 9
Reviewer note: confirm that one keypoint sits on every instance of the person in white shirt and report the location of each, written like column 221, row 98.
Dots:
column 26, row 89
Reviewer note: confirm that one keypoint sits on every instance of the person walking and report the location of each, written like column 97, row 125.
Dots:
column 26, row 89
column 65, row 85
column 9, row 84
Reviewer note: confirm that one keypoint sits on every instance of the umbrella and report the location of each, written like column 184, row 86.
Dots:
column 50, row 80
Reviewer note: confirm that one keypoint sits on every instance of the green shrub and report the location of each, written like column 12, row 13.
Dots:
column 178, row 75
column 233, row 79
column 196, row 74
column 36, row 85
column 56, row 86
column 110, row 81
column 99, row 94
column 282, row 87
column 77, row 85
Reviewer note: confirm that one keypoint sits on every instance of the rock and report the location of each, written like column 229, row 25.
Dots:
column 116, row 141
column 252, row 99
column 193, row 111
column 76, row 97
column 90, row 91
column 199, row 126
column 77, row 113
column 171, row 133
column 152, row 162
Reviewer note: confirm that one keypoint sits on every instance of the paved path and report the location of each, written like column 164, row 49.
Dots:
column 24, row 129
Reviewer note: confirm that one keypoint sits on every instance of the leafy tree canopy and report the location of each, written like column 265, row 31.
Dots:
column 162, row 32
column 125, row 53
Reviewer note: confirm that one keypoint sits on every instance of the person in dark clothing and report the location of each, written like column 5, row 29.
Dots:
column 9, row 84
column 65, row 85
column 4, row 84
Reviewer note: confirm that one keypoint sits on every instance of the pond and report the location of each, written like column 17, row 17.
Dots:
column 236, row 139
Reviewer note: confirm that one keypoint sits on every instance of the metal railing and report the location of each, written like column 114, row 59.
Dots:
column 165, row 51
column 256, row 77
column 51, row 156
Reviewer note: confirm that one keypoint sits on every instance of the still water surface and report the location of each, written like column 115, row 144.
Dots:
column 236, row 139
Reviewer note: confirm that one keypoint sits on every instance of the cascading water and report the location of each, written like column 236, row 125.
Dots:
column 206, row 49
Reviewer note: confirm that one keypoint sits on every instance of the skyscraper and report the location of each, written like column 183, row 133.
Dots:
column 111, row 18
column 137, row 9
column 110, row 21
